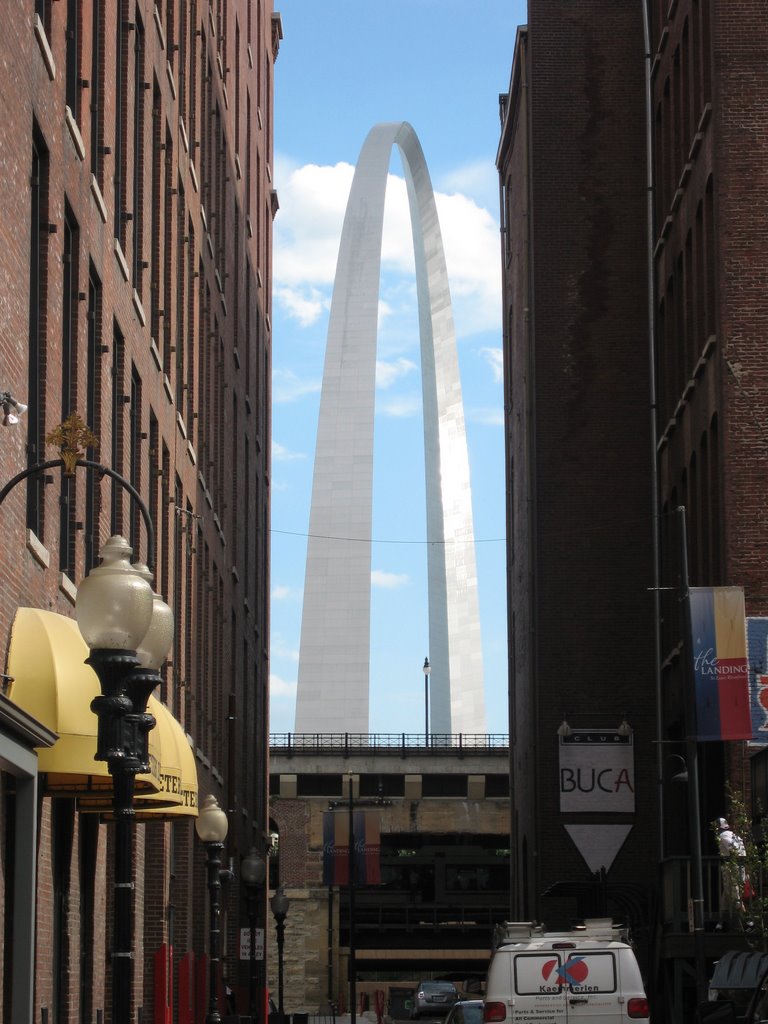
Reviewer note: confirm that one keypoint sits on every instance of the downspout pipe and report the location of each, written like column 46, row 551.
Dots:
column 655, row 515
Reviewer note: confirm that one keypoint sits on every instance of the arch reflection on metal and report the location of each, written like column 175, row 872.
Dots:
column 333, row 678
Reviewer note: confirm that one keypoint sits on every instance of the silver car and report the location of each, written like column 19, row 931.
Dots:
column 433, row 998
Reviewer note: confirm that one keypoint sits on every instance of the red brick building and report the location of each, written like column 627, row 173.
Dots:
column 135, row 246
column 635, row 304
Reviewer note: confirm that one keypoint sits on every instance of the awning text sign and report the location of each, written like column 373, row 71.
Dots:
column 597, row 772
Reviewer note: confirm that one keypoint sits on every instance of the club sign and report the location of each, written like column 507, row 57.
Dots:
column 597, row 772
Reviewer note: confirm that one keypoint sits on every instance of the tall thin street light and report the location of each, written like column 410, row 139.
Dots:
column 253, row 871
column 427, row 669
column 692, row 757
column 279, row 904
column 212, row 827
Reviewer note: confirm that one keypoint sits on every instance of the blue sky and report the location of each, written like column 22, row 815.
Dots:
column 344, row 66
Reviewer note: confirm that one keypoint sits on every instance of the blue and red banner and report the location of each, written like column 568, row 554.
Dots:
column 720, row 669
column 366, row 843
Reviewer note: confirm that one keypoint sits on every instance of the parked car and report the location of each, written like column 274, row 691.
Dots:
column 466, row 1011
column 434, row 998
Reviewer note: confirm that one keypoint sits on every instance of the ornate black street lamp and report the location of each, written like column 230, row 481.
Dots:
column 212, row 827
column 279, row 904
column 253, row 871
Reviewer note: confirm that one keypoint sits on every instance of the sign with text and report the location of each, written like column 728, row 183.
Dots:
column 245, row 943
column 597, row 772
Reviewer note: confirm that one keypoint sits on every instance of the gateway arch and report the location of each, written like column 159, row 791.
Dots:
column 334, row 656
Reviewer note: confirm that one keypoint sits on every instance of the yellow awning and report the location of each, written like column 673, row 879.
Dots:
column 51, row 681
column 178, row 776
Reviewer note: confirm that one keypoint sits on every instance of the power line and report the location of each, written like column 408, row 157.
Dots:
column 373, row 540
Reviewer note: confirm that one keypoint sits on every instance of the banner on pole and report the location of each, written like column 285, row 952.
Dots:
column 366, row 843
column 720, row 670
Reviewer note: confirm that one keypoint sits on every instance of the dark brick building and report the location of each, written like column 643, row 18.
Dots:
column 635, row 305
column 135, row 247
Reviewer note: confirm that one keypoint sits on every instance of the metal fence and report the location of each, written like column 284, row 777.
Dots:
column 399, row 743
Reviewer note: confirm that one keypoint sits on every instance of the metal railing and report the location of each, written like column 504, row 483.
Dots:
column 450, row 744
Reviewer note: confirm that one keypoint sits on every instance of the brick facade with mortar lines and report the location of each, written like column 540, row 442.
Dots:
column 581, row 457
column 169, row 283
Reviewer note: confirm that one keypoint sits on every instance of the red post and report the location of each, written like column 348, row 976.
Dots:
column 186, row 989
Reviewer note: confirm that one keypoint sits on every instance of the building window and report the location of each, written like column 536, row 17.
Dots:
column 43, row 11
column 96, row 88
column 181, row 303
column 136, row 438
column 121, row 116
column 169, row 191
column 155, row 282
column 68, row 493
column 189, row 334
column 93, row 416
column 38, row 320
column 118, row 428
column 137, row 215
column 72, row 75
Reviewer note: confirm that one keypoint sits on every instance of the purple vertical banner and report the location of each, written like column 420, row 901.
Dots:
column 719, row 654
column 757, row 655
column 366, row 844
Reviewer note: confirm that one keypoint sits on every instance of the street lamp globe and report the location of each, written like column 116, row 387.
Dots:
column 253, row 870
column 279, row 904
column 153, row 649
column 114, row 604
column 211, row 824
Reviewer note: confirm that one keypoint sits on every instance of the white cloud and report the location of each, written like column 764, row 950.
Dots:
column 387, row 372
column 308, row 229
column 488, row 416
column 278, row 649
column 388, row 580
column 495, row 359
column 306, row 306
column 282, row 593
column 479, row 180
column 288, row 387
column 282, row 454
column 402, row 407
column 281, row 687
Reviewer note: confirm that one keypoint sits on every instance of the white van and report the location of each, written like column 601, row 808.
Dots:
column 588, row 975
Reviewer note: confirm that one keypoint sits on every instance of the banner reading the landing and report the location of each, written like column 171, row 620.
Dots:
column 720, row 670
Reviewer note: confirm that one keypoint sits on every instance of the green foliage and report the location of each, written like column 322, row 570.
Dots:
column 743, row 879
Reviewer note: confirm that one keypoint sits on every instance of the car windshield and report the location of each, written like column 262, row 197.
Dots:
column 472, row 1013
column 437, row 986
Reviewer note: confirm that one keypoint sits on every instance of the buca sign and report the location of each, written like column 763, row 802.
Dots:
column 597, row 772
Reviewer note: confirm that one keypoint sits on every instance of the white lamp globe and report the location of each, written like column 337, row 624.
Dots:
column 157, row 640
column 211, row 824
column 114, row 604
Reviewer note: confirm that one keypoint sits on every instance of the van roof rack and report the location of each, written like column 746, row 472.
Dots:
column 590, row 927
